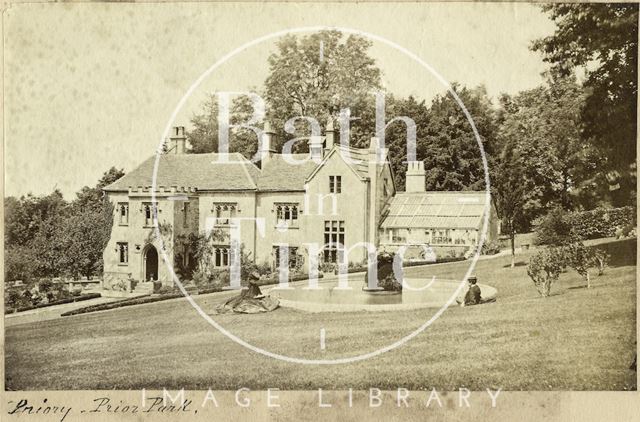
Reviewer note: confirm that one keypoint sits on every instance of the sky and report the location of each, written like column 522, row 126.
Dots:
column 89, row 86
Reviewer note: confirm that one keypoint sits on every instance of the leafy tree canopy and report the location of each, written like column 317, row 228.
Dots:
column 602, row 39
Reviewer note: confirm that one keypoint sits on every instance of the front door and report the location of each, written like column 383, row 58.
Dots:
column 150, row 264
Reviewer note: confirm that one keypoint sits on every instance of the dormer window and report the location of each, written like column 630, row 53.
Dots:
column 123, row 213
column 224, row 212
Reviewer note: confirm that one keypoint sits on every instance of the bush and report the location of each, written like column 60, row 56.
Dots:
column 580, row 258
column 22, row 306
column 264, row 268
column 490, row 248
column 560, row 227
column 327, row 267
column 545, row 267
column 555, row 228
column 603, row 222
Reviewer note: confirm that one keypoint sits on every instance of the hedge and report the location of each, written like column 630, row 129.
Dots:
column 602, row 222
column 55, row 302
column 139, row 300
column 120, row 303
column 406, row 264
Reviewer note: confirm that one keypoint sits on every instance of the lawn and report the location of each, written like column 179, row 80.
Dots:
column 577, row 339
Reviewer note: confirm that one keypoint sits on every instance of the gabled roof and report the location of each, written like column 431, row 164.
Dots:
column 357, row 159
column 200, row 171
column 450, row 210
column 279, row 175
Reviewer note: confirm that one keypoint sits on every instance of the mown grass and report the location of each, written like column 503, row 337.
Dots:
column 577, row 339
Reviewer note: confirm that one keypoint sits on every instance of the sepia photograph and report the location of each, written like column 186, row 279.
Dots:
column 298, row 208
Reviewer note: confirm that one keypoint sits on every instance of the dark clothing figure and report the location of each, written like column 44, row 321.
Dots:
column 250, row 301
column 473, row 295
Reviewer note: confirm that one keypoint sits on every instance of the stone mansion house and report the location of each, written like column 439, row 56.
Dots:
column 335, row 196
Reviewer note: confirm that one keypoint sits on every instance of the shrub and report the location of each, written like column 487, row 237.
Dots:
column 627, row 230
column 600, row 259
column 119, row 285
column 263, row 268
column 490, row 248
column 580, row 258
column 163, row 290
column 545, row 267
column 603, row 222
column 555, row 228
column 327, row 267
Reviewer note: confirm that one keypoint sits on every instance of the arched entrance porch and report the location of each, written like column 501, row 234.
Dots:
column 150, row 263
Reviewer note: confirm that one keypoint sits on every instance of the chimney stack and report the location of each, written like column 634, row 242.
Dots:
column 266, row 146
column 416, row 177
column 330, row 134
column 316, row 148
column 178, row 139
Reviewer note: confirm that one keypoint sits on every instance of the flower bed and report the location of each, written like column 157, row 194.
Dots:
column 173, row 294
column 56, row 302
column 125, row 302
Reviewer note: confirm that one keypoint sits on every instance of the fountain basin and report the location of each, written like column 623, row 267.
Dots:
column 329, row 297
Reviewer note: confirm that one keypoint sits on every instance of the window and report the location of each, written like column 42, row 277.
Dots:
column 333, row 241
column 287, row 214
column 335, row 184
column 442, row 237
column 123, row 213
column 149, row 210
column 123, row 252
column 224, row 213
column 185, row 214
column 397, row 236
column 293, row 256
column 221, row 256
column 462, row 238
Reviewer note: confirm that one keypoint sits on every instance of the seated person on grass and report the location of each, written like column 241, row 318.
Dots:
column 473, row 294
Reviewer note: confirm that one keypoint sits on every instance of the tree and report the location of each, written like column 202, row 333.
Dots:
column 84, row 236
column 48, row 237
column 93, row 197
column 601, row 39
column 544, row 125
column 203, row 137
column 396, row 133
column 318, row 75
column 600, row 259
column 509, row 192
column 450, row 149
column 580, row 258
column 314, row 76
column 544, row 269
column 86, row 231
column 555, row 228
